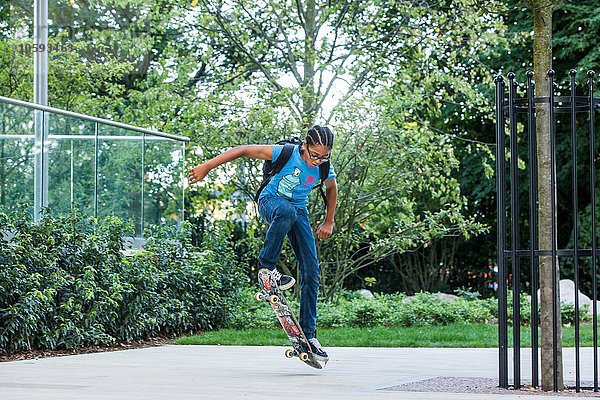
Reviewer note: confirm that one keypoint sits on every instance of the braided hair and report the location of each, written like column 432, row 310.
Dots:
column 320, row 135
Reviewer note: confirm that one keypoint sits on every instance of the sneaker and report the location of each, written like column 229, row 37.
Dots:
column 283, row 282
column 317, row 350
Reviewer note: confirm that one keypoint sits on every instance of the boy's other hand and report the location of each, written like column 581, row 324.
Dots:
column 325, row 230
column 198, row 173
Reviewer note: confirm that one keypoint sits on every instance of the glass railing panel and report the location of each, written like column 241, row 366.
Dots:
column 163, row 181
column 97, row 166
column 71, row 164
column 17, row 157
column 120, row 174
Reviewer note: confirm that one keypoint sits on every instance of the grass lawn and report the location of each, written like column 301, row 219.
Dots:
column 457, row 335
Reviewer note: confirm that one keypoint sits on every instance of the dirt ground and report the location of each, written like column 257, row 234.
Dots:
column 35, row 354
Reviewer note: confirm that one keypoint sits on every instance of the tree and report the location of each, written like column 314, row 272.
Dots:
column 573, row 27
column 398, row 192
column 549, row 298
column 316, row 53
column 301, row 56
column 233, row 72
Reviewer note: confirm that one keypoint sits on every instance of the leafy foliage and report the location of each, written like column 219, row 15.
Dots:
column 66, row 282
column 229, row 73
column 397, row 190
column 235, row 72
column 567, row 310
column 351, row 310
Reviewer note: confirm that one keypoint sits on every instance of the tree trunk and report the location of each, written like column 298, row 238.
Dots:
column 309, row 98
column 542, row 61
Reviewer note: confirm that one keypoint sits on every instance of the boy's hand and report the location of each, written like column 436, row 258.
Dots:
column 198, row 173
column 325, row 230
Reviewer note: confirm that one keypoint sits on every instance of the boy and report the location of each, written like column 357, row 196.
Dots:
column 283, row 205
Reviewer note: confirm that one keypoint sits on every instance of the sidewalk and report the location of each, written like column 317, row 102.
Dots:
column 222, row 372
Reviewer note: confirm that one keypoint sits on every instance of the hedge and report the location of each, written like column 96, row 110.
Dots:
column 66, row 282
column 350, row 309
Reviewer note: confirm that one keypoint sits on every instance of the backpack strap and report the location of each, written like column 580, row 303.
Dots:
column 283, row 158
column 277, row 166
column 323, row 173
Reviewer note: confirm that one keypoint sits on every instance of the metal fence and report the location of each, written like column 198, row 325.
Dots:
column 574, row 248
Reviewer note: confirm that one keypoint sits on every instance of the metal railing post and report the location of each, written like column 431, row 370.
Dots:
column 554, row 248
column 514, row 230
column 574, row 199
column 501, row 232
column 592, row 129
column 533, row 230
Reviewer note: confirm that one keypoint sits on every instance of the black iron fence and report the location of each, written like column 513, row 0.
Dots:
column 574, row 249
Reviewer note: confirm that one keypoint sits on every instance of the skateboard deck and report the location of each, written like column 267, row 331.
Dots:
column 271, row 294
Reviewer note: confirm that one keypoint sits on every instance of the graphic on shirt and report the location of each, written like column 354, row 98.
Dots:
column 288, row 183
column 309, row 181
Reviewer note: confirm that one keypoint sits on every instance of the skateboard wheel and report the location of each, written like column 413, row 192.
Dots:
column 258, row 296
column 289, row 353
column 304, row 356
column 273, row 299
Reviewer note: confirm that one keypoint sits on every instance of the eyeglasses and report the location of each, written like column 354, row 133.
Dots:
column 317, row 158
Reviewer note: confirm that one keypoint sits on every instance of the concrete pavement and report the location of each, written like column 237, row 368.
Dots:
column 223, row 372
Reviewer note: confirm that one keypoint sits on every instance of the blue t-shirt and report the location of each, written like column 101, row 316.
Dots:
column 295, row 180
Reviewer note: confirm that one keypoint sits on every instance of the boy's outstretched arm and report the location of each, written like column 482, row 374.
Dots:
column 263, row 152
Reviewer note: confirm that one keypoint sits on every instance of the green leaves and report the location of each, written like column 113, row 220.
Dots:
column 66, row 282
column 398, row 188
column 352, row 310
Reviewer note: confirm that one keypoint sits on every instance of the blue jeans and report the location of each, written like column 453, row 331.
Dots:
column 285, row 219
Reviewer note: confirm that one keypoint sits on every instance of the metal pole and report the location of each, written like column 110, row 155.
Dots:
column 142, row 199
column 554, row 249
column 102, row 121
column 72, row 176
column 514, row 229
column 533, row 230
column 40, row 96
column 593, row 201
column 501, row 232
column 573, row 73
column 183, row 171
column 96, row 166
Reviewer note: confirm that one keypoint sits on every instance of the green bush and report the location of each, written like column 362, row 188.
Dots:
column 66, row 282
column 349, row 310
column 567, row 310
column 427, row 309
column 254, row 314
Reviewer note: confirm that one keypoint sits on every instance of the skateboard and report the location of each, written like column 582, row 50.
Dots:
column 272, row 295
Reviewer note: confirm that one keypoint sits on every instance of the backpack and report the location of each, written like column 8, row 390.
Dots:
column 270, row 168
